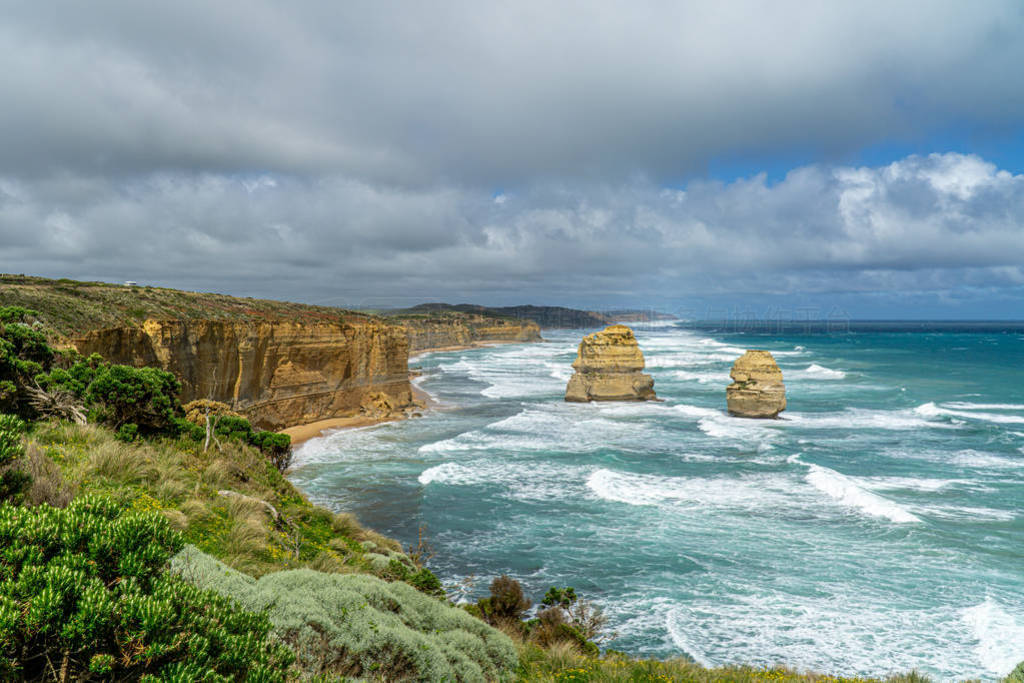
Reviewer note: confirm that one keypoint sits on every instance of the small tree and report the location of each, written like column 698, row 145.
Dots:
column 147, row 397
column 506, row 605
column 23, row 354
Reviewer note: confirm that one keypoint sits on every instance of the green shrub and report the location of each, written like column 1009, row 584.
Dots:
column 360, row 626
column 76, row 378
column 86, row 589
column 147, row 397
column 1017, row 675
column 127, row 432
column 13, row 480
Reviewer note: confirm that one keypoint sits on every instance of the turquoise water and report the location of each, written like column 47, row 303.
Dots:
column 877, row 528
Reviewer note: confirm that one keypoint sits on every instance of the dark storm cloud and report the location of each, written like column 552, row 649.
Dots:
column 493, row 92
column 349, row 152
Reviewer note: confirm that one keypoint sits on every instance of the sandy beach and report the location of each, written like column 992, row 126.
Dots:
column 312, row 430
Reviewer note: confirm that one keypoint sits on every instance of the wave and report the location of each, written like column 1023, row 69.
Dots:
column 845, row 490
column 815, row 371
column 932, row 410
column 966, row 405
column 984, row 461
column 860, row 418
column 525, row 481
column 743, row 492
column 999, row 636
column 766, row 626
column 448, row 473
column 721, row 377
column 912, row 483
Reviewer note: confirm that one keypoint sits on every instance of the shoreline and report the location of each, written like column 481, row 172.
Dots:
column 300, row 434
column 459, row 347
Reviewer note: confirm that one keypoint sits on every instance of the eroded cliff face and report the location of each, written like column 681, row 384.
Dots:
column 278, row 373
column 426, row 334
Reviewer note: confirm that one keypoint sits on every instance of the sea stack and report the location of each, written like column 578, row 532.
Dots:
column 757, row 389
column 608, row 368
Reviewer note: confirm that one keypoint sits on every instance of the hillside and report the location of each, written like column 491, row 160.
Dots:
column 551, row 317
column 71, row 308
column 548, row 317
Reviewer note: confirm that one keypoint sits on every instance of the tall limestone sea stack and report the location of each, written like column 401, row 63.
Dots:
column 608, row 368
column 757, row 389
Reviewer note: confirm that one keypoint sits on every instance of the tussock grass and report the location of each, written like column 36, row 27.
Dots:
column 182, row 482
column 562, row 663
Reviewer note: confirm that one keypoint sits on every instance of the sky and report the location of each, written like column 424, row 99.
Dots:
column 709, row 159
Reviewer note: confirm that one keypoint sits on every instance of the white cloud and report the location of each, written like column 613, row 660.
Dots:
column 921, row 223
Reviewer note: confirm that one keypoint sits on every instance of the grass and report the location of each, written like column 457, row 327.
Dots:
column 69, row 308
column 563, row 664
column 232, row 504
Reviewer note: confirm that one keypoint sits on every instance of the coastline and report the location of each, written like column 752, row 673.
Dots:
column 458, row 347
column 313, row 430
column 318, row 428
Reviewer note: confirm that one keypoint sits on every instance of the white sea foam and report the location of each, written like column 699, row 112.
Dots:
column 966, row 512
column 720, row 377
column 981, row 460
column 448, row 473
column 815, row 371
column 846, row 491
column 912, row 483
column 931, row 410
column 521, row 481
column 764, row 627
column 999, row 636
column 966, row 405
column 859, row 418
column 695, row 493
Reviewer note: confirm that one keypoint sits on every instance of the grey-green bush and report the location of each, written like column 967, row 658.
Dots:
column 357, row 625
column 1017, row 675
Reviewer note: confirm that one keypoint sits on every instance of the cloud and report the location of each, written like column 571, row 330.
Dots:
column 930, row 223
column 471, row 93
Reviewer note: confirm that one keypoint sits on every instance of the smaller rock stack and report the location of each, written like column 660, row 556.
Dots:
column 757, row 389
column 608, row 368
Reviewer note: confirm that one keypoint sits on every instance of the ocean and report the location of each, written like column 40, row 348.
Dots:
column 877, row 527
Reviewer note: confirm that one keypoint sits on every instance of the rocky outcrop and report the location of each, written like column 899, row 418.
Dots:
column 757, row 389
column 438, row 332
column 608, row 368
column 277, row 373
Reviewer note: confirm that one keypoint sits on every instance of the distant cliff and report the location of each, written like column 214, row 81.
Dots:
column 432, row 331
column 548, row 317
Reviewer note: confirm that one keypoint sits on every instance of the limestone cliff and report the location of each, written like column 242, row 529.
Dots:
column 757, row 389
column 277, row 373
column 608, row 368
column 427, row 332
